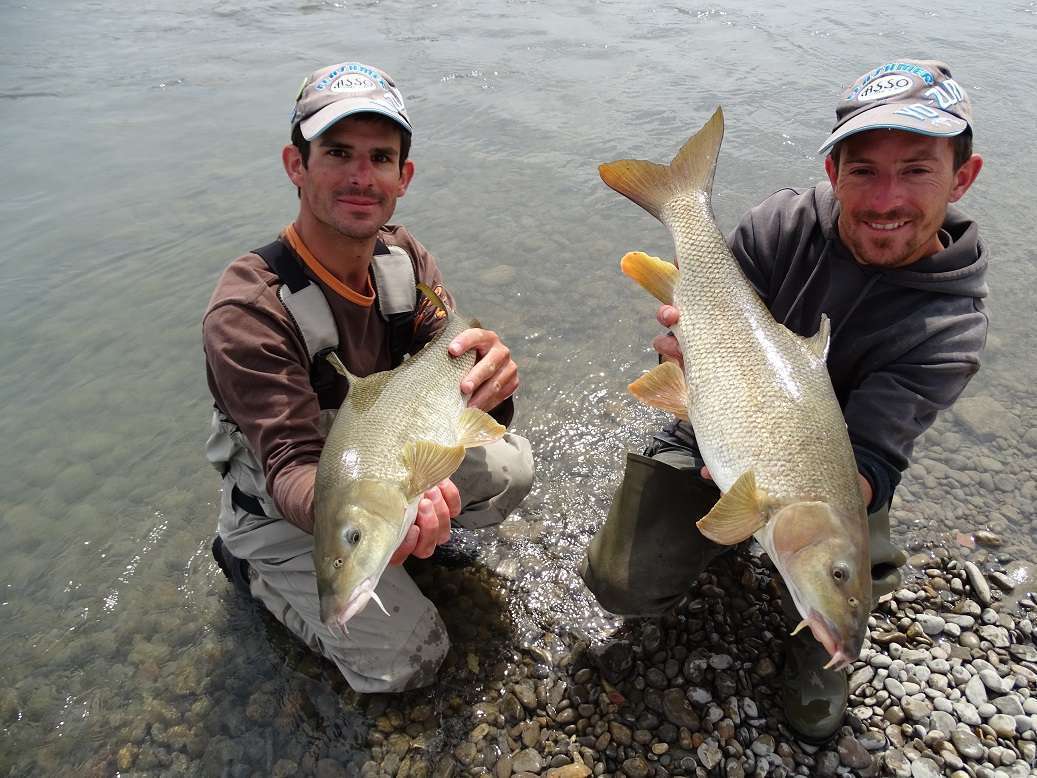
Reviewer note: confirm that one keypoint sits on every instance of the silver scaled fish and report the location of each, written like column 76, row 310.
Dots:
column 398, row 433
column 760, row 400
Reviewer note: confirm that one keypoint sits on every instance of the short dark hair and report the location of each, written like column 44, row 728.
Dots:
column 304, row 145
column 962, row 145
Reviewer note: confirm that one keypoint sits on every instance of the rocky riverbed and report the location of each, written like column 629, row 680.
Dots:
column 946, row 685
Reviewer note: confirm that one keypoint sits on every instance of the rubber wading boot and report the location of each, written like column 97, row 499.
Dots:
column 814, row 699
column 236, row 570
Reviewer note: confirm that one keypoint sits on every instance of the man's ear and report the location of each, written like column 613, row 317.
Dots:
column 291, row 158
column 406, row 175
column 830, row 169
column 965, row 175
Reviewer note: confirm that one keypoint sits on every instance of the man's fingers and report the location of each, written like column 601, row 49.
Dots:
column 669, row 349
column 492, row 365
column 428, row 524
column 667, row 316
column 494, row 391
column 473, row 337
column 451, row 496
column 704, row 472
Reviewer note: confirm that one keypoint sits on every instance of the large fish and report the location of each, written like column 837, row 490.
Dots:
column 398, row 433
column 760, row 400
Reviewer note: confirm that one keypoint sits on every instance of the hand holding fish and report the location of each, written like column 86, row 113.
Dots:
column 670, row 349
column 494, row 378
column 667, row 345
column 431, row 526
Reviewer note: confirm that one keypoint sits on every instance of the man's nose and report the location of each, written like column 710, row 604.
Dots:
column 885, row 194
column 360, row 171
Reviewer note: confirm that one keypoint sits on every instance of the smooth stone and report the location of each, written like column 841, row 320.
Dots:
column 943, row 722
column 931, row 625
column 915, row 708
column 967, row 713
column 853, row 754
column 967, row 744
column 976, row 691
column 1002, row 724
column 978, row 582
column 925, row 768
column 528, row 760
column 995, row 682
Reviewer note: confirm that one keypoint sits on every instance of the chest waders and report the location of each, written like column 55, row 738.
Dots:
column 394, row 277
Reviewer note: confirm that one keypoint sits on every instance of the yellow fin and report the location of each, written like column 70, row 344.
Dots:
column 429, row 463
column 434, row 298
column 663, row 387
column 737, row 515
column 652, row 186
column 818, row 342
column 657, row 276
column 477, row 428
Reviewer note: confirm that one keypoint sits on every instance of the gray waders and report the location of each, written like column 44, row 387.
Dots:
column 645, row 557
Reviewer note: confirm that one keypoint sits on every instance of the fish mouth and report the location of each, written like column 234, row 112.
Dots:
column 825, row 634
column 358, row 599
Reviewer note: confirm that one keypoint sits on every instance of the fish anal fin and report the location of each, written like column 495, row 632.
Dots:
column 340, row 368
column 737, row 514
column 477, row 428
column 663, row 387
column 657, row 276
column 818, row 342
column 428, row 463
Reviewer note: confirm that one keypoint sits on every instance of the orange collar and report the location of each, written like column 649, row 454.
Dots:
column 324, row 274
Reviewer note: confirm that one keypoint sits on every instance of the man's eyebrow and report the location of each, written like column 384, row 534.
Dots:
column 920, row 157
column 338, row 144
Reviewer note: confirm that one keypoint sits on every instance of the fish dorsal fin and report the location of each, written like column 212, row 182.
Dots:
column 657, row 276
column 340, row 368
column 818, row 342
column 663, row 387
column 737, row 515
column 428, row 463
column 477, row 428
column 434, row 298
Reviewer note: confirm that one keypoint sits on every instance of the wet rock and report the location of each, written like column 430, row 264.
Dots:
column 636, row 767
column 678, row 710
column 925, row 768
column 575, row 770
column 709, row 754
column 967, row 744
column 986, row 418
column 978, row 582
column 853, row 754
column 527, row 761
column 614, row 660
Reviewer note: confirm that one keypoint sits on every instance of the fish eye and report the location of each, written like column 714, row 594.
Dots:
column 337, row 563
column 840, row 573
column 352, row 536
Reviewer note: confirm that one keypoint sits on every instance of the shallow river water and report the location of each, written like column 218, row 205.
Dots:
column 141, row 151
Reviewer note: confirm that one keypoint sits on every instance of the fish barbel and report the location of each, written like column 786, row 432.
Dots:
column 760, row 400
column 398, row 433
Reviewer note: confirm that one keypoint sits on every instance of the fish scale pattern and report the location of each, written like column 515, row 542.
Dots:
column 777, row 416
column 419, row 400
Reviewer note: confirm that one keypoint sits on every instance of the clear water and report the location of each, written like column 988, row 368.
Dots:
column 141, row 153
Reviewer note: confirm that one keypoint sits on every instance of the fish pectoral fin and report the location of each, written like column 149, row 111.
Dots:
column 663, row 387
column 737, row 515
column 428, row 463
column 819, row 341
column 478, row 428
column 657, row 276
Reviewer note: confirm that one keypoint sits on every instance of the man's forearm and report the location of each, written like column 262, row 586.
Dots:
column 292, row 491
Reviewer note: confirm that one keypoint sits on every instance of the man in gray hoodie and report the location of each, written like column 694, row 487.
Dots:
column 901, row 275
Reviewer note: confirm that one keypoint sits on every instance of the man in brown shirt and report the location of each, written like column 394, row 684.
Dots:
column 340, row 278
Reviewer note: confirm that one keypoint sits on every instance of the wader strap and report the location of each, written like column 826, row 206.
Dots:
column 246, row 502
column 395, row 280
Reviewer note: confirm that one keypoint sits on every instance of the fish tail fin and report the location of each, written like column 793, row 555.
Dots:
column 653, row 186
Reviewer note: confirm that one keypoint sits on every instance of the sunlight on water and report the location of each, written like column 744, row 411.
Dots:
column 142, row 156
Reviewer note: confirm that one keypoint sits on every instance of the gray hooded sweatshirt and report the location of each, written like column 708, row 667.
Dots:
column 905, row 341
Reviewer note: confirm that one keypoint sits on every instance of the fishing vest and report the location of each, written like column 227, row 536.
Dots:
column 394, row 277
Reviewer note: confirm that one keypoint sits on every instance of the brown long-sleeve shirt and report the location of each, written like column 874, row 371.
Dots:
column 258, row 367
